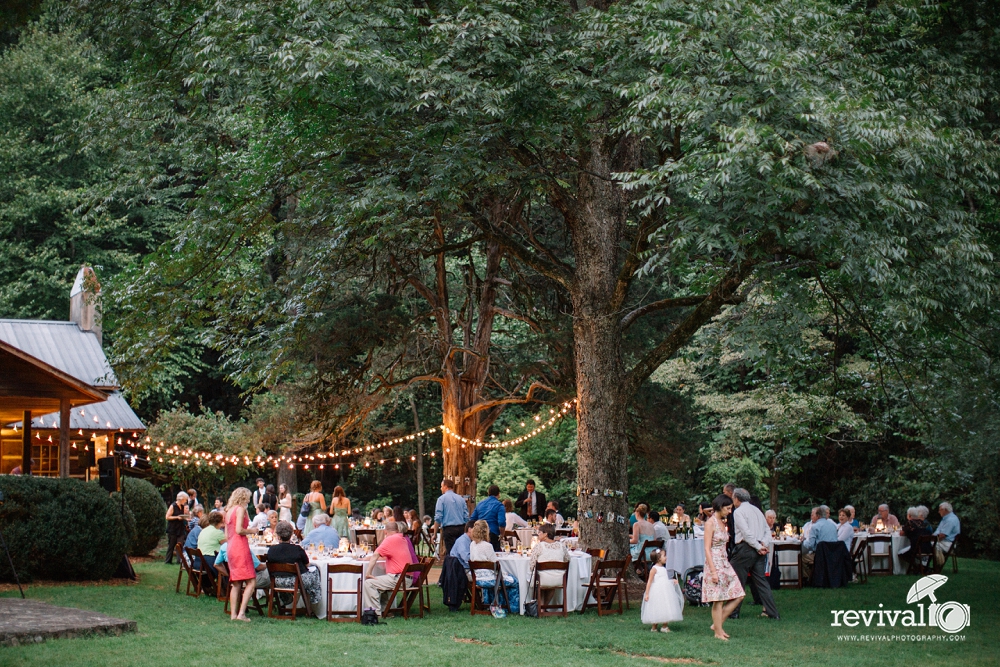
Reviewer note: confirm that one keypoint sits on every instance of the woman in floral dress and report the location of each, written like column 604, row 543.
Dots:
column 720, row 585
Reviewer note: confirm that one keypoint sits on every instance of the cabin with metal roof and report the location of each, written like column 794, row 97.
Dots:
column 53, row 370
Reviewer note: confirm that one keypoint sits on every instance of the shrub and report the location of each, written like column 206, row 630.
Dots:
column 149, row 511
column 60, row 529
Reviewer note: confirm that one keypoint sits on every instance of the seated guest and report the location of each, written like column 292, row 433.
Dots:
column 463, row 545
column 680, row 515
column 807, row 527
column 916, row 526
column 635, row 515
column 660, row 530
column 771, row 517
column 888, row 520
column 548, row 550
column 482, row 551
column 949, row 528
column 823, row 530
column 554, row 506
column 398, row 553
column 288, row 553
column 705, row 511
column 220, row 504
column 322, row 533
column 845, row 531
column 263, row 579
column 272, row 521
column 212, row 536
column 854, row 519
column 642, row 530
column 514, row 519
column 550, row 516
column 196, row 513
column 192, row 539
column 259, row 521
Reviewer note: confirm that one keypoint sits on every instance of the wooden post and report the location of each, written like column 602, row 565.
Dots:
column 26, row 443
column 64, row 418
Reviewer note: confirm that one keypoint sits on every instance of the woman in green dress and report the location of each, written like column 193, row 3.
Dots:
column 317, row 504
column 340, row 509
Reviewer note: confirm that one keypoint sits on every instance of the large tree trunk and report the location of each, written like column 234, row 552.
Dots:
column 459, row 459
column 598, row 225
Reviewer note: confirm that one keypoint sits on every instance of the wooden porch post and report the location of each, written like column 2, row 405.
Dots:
column 26, row 443
column 64, row 418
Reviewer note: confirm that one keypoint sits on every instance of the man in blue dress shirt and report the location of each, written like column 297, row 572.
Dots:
column 823, row 530
column 947, row 530
column 451, row 514
column 322, row 533
column 460, row 549
column 491, row 510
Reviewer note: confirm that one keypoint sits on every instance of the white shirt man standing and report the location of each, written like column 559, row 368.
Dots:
column 753, row 540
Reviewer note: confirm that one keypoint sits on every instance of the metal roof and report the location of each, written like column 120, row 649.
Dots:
column 112, row 414
column 65, row 346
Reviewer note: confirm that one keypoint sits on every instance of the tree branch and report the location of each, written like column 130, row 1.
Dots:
column 662, row 304
column 512, row 400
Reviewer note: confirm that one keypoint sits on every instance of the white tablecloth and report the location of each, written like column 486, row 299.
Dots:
column 898, row 542
column 524, row 536
column 379, row 534
column 684, row 554
column 519, row 567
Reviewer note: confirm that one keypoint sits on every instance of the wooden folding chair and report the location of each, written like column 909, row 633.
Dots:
column 201, row 574
column 859, row 562
column 431, row 540
column 344, row 616
column 184, row 567
column 427, row 563
column 475, row 590
column 367, row 533
column 952, row 553
column 879, row 555
column 549, row 609
column 297, row 590
column 225, row 590
column 788, row 582
column 511, row 537
column 408, row 592
column 641, row 564
column 924, row 553
column 604, row 586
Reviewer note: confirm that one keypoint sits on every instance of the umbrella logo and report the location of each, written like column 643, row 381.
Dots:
column 950, row 616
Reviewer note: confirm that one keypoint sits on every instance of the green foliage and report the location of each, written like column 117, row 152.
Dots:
column 61, row 529
column 507, row 469
column 378, row 503
column 149, row 512
column 743, row 472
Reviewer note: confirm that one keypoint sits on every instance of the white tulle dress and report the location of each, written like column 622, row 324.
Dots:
column 666, row 602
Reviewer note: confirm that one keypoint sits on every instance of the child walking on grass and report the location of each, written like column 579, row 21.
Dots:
column 662, row 602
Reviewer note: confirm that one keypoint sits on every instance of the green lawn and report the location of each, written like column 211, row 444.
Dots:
column 181, row 631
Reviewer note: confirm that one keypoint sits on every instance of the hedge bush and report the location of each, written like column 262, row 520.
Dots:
column 60, row 529
column 149, row 511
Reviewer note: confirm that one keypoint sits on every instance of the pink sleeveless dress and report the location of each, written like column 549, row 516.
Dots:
column 729, row 586
column 238, row 550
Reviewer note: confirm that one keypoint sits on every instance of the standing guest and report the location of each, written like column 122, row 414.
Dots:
column 660, row 530
column 642, row 530
column 292, row 554
column 531, row 503
column 317, row 504
column 491, row 510
column 220, row 504
column 662, row 602
column 284, row 504
column 322, row 533
column 269, row 498
column 854, row 519
column 261, row 582
column 548, row 550
column 192, row 499
column 300, row 522
column 397, row 552
column 196, row 513
column 242, row 575
column 720, row 585
column 681, row 515
column 949, row 528
column 177, row 519
column 823, row 530
column 845, row 531
column 753, row 541
column 888, row 520
column 728, row 489
column 211, row 537
column 258, row 495
column 513, row 519
column 259, row 522
column 340, row 509
column 554, row 506
column 450, row 514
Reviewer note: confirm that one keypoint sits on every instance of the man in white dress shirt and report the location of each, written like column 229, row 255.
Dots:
column 753, row 538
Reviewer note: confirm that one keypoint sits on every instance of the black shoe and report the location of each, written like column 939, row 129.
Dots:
column 734, row 616
column 773, row 618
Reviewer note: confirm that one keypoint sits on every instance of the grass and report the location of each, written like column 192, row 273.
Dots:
column 179, row 630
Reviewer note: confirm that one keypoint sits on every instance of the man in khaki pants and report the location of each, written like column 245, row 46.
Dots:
column 396, row 551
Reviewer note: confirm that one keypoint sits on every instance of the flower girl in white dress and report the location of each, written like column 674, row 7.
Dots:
column 663, row 602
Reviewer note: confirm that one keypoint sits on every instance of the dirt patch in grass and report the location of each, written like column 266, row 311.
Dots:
column 656, row 658
column 45, row 583
column 469, row 640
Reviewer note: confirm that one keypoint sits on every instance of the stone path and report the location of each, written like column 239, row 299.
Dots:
column 32, row 622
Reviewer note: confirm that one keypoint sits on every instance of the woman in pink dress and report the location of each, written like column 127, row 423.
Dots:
column 241, row 570
column 719, row 584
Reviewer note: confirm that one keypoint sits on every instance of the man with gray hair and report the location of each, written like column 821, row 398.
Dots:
column 947, row 531
column 397, row 554
column 823, row 530
column 889, row 520
column 322, row 533
column 753, row 539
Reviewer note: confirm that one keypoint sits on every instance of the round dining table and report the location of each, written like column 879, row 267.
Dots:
column 519, row 567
